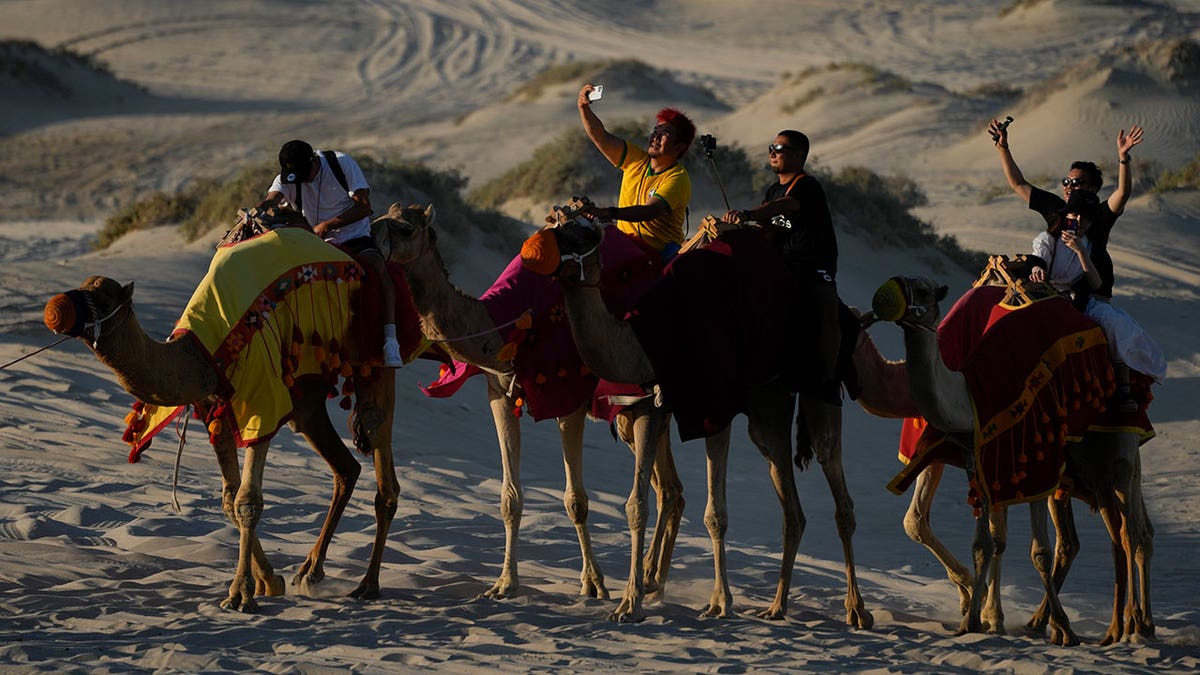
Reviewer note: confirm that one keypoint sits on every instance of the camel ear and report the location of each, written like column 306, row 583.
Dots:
column 395, row 209
column 127, row 292
column 429, row 214
column 941, row 292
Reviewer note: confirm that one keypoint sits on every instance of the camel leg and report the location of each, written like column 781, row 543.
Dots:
column 981, row 555
column 918, row 528
column 1142, row 533
column 266, row 582
column 1142, row 552
column 512, row 499
column 374, row 417
column 823, row 427
column 644, row 432
column 247, row 506
column 1110, row 513
column 1139, row 548
column 669, row 490
column 992, row 614
column 770, row 429
column 1039, row 552
column 311, row 421
column 575, row 500
column 716, row 520
column 1066, row 547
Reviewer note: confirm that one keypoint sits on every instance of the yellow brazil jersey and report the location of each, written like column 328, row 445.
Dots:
column 640, row 184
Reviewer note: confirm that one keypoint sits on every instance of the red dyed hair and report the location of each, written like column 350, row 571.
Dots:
column 685, row 127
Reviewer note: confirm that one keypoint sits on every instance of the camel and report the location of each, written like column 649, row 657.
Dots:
column 1112, row 458
column 179, row 372
column 463, row 326
column 610, row 348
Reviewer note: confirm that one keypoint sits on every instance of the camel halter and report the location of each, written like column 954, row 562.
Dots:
column 909, row 314
column 96, row 323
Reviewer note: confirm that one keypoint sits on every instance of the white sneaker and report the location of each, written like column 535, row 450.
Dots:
column 391, row 354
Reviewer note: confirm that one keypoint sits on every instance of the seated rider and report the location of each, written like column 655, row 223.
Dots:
column 339, row 215
column 796, row 213
column 1066, row 250
column 655, row 188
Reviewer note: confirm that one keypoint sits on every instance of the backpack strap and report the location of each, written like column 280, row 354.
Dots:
column 336, row 167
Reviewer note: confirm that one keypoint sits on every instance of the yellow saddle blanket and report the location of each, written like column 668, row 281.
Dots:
column 270, row 310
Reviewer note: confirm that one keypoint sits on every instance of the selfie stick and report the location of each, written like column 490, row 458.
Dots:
column 709, row 154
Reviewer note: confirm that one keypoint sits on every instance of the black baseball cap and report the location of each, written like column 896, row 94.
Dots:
column 295, row 162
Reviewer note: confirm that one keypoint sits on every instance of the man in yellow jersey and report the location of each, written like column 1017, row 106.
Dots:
column 655, row 188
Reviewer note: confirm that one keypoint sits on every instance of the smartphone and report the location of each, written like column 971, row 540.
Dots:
column 596, row 92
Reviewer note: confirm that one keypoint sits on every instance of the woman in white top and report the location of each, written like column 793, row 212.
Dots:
column 1066, row 251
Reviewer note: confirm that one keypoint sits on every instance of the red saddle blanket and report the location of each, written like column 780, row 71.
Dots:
column 552, row 376
column 1039, row 377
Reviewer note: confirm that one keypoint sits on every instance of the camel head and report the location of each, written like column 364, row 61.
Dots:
column 568, row 245
column 909, row 301
column 403, row 234
column 93, row 308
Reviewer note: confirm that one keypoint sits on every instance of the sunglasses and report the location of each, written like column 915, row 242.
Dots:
column 778, row 147
column 1074, row 182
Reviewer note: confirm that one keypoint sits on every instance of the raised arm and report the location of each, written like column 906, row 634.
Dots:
column 612, row 147
column 1016, row 180
column 1125, row 143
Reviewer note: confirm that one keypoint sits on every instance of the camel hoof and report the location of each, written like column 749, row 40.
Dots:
column 365, row 591
column 239, row 603
column 714, row 611
column 773, row 614
column 594, row 589
column 500, row 590
column 627, row 614
column 859, row 618
column 274, row 586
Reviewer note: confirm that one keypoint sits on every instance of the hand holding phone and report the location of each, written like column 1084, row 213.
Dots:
column 596, row 92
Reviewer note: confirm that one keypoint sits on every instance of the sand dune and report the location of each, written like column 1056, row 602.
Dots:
column 97, row 572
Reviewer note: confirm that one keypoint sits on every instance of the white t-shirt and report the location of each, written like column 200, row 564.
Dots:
column 1065, row 268
column 323, row 197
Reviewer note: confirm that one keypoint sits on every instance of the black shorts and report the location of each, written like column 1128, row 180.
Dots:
column 359, row 245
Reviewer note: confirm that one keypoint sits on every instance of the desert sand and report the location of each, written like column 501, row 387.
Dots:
column 98, row 574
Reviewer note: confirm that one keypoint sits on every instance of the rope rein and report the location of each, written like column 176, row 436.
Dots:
column 36, row 352
column 487, row 331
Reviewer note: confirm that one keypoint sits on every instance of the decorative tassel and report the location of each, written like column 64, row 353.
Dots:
column 346, row 370
column 345, row 403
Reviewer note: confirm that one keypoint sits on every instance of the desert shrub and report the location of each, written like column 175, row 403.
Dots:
column 571, row 71
column 1018, row 4
column 219, row 202
column 1186, row 177
column 158, row 209
column 879, row 207
column 567, row 165
column 210, row 204
column 994, row 90
column 457, row 219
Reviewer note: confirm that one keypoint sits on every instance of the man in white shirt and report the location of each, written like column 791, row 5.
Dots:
column 338, row 207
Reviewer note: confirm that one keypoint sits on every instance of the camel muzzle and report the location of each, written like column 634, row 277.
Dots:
column 62, row 314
